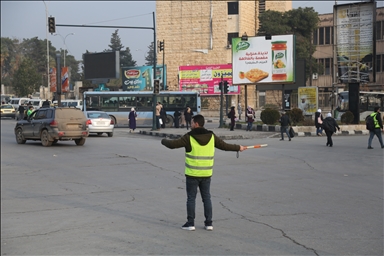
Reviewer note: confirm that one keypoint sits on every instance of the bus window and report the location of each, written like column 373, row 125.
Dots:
column 109, row 103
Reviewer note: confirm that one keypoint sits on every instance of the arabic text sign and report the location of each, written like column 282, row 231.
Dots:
column 140, row 78
column 263, row 61
column 205, row 78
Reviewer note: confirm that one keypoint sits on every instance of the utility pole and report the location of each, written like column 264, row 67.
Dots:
column 221, row 86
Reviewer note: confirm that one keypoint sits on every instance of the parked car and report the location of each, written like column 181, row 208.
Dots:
column 49, row 125
column 99, row 122
column 8, row 110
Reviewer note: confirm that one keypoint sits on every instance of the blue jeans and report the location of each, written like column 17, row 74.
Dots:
column 319, row 130
column 204, row 185
column 284, row 129
column 376, row 132
column 249, row 126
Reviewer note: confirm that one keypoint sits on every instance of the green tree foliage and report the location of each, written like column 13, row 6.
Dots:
column 295, row 115
column 26, row 79
column 301, row 22
column 347, row 117
column 126, row 59
column 10, row 59
column 150, row 59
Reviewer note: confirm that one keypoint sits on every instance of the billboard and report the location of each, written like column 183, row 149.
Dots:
column 205, row 79
column 141, row 78
column 355, row 51
column 258, row 60
column 307, row 99
column 101, row 65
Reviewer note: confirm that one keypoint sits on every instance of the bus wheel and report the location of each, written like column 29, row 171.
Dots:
column 169, row 121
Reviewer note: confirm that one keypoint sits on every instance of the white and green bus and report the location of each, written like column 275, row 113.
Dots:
column 118, row 104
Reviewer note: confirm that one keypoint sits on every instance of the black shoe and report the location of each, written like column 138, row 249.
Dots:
column 370, row 147
column 188, row 226
column 330, row 145
column 382, row 146
column 289, row 139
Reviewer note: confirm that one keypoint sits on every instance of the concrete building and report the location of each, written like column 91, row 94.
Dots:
column 200, row 33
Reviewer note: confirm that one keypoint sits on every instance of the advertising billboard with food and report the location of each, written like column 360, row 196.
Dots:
column 141, row 78
column 205, row 79
column 258, row 60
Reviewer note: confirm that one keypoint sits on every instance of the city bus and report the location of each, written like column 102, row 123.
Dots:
column 367, row 102
column 118, row 104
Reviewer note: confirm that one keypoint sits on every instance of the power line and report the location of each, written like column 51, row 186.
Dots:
column 98, row 22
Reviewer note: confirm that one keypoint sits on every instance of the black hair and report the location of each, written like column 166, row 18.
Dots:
column 199, row 119
column 376, row 109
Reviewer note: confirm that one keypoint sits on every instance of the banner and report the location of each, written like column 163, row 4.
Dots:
column 258, row 60
column 205, row 79
column 307, row 100
column 52, row 79
column 141, row 78
column 64, row 79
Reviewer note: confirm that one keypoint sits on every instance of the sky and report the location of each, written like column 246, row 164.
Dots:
column 27, row 19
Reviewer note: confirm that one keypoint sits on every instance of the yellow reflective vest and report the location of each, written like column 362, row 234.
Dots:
column 199, row 162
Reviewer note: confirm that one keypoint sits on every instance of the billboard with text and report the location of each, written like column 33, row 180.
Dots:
column 260, row 60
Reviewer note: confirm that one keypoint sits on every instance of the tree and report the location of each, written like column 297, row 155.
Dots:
column 150, row 55
column 26, row 79
column 125, row 55
column 300, row 22
column 10, row 59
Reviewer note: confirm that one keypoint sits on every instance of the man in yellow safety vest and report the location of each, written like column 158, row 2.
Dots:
column 199, row 145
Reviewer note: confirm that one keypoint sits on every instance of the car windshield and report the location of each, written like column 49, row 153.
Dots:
column 98, row 115
column 7, row 106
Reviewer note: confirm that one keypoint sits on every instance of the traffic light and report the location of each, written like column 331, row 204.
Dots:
column 226, row 87
column 161, row 45
column 156, row 86
column 51, row 25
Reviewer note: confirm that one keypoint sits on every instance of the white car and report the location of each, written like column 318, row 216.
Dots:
column 99, row 122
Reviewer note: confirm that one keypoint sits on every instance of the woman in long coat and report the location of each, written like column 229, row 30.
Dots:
column 132, row 120
column 232, row 115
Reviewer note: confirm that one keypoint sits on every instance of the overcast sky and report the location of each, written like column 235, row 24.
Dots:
column 27, row 19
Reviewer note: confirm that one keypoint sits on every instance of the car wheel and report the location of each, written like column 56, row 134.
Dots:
column 44, row 137
column 99, row 133
column 19, row 136
column 169, row 121
column 110, row 134
column 80, row 142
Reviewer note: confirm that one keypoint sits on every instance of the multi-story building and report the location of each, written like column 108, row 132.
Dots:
column 200, row 32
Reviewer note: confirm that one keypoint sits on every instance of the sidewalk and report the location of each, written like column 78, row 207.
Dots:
column 258, row 131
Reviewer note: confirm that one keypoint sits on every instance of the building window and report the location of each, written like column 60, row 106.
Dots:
column 327, row 35
column 233, row 8
column 321, row 68
column 230, row 36
column 379, row 30
column 328, row 67
column 321, row 36
column 315, row 37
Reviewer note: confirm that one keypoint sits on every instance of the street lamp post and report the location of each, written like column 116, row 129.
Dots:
column 65, row 46
column 46, row 20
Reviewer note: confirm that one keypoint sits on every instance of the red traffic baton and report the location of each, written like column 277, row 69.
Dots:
column 254, row 146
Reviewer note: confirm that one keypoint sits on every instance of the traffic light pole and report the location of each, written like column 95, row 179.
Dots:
column 221, row 102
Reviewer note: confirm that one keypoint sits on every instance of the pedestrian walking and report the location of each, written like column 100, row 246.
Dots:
column 30, row 110
column 285, row 124
column 378, row 128
column 21, row 112
column 188, row 116
column 239, row 110
column 250, row 117
column 163, row 116
column 232, row 116
column 132, row 120
column 158, row 109
column 46, row 104
column 199, row 145
column 176, row 117
column 319, row 122
column 330, row 126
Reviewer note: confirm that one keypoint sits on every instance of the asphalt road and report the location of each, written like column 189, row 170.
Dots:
column 126, row 195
